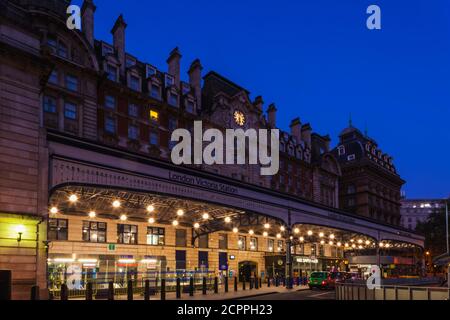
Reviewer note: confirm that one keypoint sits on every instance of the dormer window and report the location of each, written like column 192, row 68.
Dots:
column 106, row 49
column 351, row 157
column 150, row 71
column 169, row 80
column 186, row 88
column 341, row 150
column 130, row 62
column 368, row 147
column 111, row 72
column 173, row 99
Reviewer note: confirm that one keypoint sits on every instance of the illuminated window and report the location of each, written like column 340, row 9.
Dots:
column 155, row 236
column 270, row 245
column 242, row 243
column 94, row 231
column 154, row 115
column 57, row 229
column 127, row 234
column 253, row 244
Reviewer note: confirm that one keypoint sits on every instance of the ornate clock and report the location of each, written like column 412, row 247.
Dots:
column 239, row 118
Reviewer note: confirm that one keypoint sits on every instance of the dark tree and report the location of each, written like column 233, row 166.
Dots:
column 434, row 231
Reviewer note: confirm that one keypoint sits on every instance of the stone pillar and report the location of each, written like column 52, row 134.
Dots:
column 118, row 32
column 173, row 63
column 195, row 80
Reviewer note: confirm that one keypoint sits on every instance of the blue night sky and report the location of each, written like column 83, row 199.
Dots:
column 317, row 60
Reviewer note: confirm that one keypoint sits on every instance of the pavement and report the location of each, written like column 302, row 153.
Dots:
column 297, row 295
column 231, row 295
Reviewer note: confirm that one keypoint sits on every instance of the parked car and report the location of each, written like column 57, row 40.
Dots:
column 321, row 279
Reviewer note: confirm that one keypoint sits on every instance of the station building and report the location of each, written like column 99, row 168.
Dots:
column 88, row 190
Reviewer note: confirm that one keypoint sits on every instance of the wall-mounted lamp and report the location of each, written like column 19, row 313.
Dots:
column 20, row 229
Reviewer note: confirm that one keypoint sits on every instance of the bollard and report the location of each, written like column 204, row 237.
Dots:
column 147, row 290
column 110, row 290
column 268, row 282
column 277, row 282
column 204, row 286
column 5, row 284
column 191, row 287
column 89, row 291
column 64, row 292
column 130, row 290
column 226, row 284
column 178, row 288
column 243, row 284
column 216, row 285
column 260, row 282
column 251, row 283
column 235, row 284
column 34, row 293
column 163, row 289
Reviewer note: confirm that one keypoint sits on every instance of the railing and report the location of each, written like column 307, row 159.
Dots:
column 352, row 291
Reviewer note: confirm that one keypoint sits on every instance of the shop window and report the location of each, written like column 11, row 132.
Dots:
column 223, row 241
column 58, row 229
column 110, row 102
column 71, row 82
column 180, row 260
column 49, row 104
column 253, row 244
column 270, row 245
column 180, row 237
column 70, row 111
column 203, row 259
column 242, row 243
column 203, row 241
column 155, row 236
column 133, row 110
column 110, row 125
column 154, row 138
column 94, row 231
column 127, row 234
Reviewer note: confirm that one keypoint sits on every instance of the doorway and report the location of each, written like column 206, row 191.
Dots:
column 247, row 270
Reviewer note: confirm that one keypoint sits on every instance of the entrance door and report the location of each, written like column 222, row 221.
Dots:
column 247, row 270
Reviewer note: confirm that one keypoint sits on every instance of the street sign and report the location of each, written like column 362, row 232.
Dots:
column 111, row 247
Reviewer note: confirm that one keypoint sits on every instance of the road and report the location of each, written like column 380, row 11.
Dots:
column 297, row 295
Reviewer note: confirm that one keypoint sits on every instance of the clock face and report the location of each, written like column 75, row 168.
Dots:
column 239, row 118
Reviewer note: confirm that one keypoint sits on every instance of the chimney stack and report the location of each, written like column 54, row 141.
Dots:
column 306, row 134
column 87, row 20
column 258, row 103
column 327, row 141
column 195, row 80
column 174, row 65
column 118, row 32
column 296, row 129
column 272, row 115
